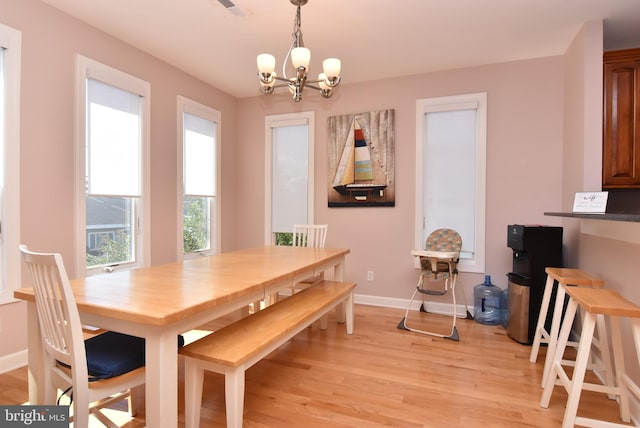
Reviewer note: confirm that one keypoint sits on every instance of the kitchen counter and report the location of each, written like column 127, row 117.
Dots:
column 605, row 216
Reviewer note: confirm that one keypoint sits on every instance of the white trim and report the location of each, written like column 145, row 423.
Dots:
column 13, row 361
column 89, row 68
column 291, row 119
column 186, row 105
column 11, row 39
column 476, row 101
column 396, row 303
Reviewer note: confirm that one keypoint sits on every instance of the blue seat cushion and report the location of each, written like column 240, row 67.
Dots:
column 111, row 354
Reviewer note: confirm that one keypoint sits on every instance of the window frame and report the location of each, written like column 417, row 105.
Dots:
column 87, row 68
column 278, row 120
column 11, row 41
column 452, row 103
column 186, row 105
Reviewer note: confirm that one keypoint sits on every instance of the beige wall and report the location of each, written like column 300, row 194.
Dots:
column 524, row 158
column 50, row 42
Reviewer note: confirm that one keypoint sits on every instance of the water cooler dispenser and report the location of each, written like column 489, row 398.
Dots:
column 534, row 249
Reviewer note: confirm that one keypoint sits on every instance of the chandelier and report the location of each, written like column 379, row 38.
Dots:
column 299, row 56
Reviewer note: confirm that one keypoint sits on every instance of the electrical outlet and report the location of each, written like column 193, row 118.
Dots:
column 370, row 275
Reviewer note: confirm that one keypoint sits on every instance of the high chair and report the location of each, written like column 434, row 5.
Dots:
column 438, row 263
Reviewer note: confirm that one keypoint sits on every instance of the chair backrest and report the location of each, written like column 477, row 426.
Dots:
column 309, row 235
column 444, row 240
column 58, row 315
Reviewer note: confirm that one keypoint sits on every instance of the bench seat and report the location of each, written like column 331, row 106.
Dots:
column 233, row 349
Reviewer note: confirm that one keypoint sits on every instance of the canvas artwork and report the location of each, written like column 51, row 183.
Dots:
column 361, row 159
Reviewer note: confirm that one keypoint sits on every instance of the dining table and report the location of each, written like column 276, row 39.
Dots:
column 160, row 302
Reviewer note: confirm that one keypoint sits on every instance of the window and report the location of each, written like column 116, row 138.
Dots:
column 10, row 265
column 450, row 172
column 113, row 153
column 200, row 132
column 289, row 176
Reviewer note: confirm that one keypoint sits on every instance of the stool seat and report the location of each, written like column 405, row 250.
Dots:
column 594, row 303
column 571, row 276
column 605, row 302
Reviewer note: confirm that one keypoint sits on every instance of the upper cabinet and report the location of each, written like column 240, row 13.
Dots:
column 621, row 144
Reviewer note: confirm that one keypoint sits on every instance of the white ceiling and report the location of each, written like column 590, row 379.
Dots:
column 375, row 39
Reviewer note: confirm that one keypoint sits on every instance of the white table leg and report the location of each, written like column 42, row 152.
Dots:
column 161, row 389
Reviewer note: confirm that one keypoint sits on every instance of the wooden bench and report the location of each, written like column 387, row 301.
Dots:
column 233, row 349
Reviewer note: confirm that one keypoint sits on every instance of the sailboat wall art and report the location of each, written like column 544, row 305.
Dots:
column 361, row 159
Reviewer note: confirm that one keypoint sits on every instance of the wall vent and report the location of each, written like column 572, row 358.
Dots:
column 231, row 7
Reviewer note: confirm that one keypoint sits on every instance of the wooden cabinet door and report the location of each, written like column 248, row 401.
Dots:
column 621, row 144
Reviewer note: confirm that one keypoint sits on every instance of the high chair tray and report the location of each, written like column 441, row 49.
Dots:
column 436, row 254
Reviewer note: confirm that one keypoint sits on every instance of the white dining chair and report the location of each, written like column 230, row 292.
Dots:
column 309, row 235
column 304, row 235
column 84, row 371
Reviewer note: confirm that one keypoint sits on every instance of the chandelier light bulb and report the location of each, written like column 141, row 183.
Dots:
column 300, row 57
column 331, row 67
column 266, row 63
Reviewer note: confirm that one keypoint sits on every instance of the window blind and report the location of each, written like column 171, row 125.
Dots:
column 113, row 141
column 199, row 156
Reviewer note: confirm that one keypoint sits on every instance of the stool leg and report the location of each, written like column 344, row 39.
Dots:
column 544, row 309
column 618, row 357
column 556, row 366
column 577, row 380
column 553, row 333
column 605, row 353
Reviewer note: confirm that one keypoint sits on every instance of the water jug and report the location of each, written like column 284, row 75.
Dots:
column 487, row 303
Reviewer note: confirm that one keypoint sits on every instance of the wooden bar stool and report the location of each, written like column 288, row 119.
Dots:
column 566, row 277
column 593, row 302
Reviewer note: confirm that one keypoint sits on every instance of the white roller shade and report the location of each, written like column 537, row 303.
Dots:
column 114, row 141
column 199, row 156
column 450, row 170
column 290, row 183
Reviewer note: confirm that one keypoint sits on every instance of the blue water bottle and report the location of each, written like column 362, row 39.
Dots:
column 487, row 303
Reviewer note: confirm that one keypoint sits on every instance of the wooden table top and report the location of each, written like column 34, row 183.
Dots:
column 162, row 294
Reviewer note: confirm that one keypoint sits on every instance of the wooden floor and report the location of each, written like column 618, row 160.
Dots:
column 383, row 376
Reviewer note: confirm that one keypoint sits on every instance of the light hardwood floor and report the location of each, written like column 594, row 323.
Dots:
column 383, row 376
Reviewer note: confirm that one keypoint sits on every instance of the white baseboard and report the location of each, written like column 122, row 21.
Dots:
column 392, row 302
column 13, row 361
